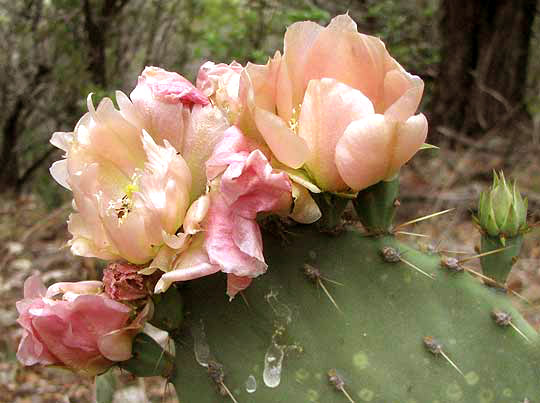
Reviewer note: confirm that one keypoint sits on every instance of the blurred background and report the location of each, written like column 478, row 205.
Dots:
column 480, row 62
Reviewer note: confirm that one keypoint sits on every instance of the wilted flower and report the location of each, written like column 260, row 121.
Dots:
column 336, row 105
column 244, row 184
column 75, row 325
column 123, row 282
column 135, row 171
column 502, row 211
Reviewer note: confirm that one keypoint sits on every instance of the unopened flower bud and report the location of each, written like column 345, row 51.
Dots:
column 502, row 211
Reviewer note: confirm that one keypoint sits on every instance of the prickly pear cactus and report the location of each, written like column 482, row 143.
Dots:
column 391, row 333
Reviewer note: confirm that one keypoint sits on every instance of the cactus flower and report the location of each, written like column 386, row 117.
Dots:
column 502, row 211
column 243, row 185
column 134, row 172
column 74, row 325
column 337, row 105
column 221, row 83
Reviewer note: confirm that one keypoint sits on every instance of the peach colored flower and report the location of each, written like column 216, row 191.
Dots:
column 74, row 325
column 132, row 188
column 336, row 106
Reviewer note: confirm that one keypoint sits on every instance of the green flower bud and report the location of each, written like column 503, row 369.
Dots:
column 502, row 211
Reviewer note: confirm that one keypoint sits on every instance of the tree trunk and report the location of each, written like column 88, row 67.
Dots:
column 97, row 19
column 12, row 130
column 483, row 70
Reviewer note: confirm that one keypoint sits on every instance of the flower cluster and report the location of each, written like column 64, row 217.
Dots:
column 168, row 186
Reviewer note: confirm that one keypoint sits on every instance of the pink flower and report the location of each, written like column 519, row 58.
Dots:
column 74, row 325
column 244, row 184
column 336, row 106
column 248, row 186
column 221, row 83
column 123, row 282
column 134, row 172
column 161, row 104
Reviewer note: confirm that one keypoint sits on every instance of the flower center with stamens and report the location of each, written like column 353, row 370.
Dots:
column 293, row 121
column 122, row 206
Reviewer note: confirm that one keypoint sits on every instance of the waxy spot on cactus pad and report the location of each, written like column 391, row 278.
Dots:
column 301, row 375
column 472, row 378
column 312, row 395
column 251, row 384
column 486, row 396
column 507, row 392
column 281, row 310
column 366, row 395
column 360, row 360
column 454, row 392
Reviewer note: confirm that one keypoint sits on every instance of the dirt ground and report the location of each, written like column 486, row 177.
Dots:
column 33, row 240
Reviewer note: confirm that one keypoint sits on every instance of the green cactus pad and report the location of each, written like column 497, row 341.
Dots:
column 375, row 342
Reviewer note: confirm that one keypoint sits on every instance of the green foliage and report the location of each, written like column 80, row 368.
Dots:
column 374, row 338
column 244, row 30
column 408, row 29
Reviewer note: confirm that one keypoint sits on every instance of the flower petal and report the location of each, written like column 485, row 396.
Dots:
column 288, row 148
column 299, row 39
column 409, row 138
column 60, row 173
column 305, row 210
column 407, row 89
column 362, row 153
column 329, row 106
column 235, row 284
column 352, row 58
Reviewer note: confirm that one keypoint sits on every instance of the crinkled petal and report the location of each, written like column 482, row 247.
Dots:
column 254, row 187
column 220, row 243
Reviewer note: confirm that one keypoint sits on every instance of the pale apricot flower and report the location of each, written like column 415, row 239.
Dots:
column 134, row 172
column 336, row 109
